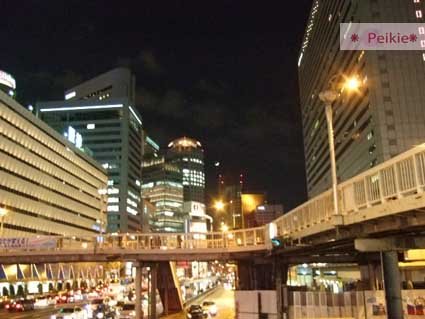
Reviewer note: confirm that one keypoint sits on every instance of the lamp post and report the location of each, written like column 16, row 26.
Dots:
column 328, row 97
column 102, row 192
column 3, row 213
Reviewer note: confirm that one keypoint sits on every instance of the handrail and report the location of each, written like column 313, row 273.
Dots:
column 400, row 177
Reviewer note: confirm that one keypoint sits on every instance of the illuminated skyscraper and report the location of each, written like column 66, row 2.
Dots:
column 386, row 116
column 101, row 112
column 188, row 155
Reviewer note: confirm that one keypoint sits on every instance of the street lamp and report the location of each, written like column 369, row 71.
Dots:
column 102, row 192
column 328, row 97
column 219, row 205
column 3, row 213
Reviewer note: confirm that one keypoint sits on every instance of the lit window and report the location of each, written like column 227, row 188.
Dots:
column 423, row 56
column 423, row 43
column 421, row 30
column 113, row 208
column 91, row 126
column 113, row 200
column 416, row 1
column 418, row 14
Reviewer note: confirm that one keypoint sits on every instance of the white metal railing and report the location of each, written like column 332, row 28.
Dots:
column 399, row 177
column 236, row 240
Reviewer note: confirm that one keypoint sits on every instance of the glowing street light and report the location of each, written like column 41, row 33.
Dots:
column 219, row 205
column 328, row 97
column 224, row 228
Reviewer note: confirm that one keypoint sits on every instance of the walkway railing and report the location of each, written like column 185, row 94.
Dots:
column 400, row 177
column 230, row 240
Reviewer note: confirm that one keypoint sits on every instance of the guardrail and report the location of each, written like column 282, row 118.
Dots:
column 400, row 177
column 397, row 178
column 237, row 239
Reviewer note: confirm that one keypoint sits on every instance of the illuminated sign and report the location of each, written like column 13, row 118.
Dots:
column 7, row 79
column 70, row 95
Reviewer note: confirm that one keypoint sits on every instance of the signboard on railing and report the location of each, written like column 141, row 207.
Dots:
column 27, row 243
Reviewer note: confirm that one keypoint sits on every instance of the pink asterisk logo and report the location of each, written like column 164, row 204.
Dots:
column 413, row 37
column 354, row 37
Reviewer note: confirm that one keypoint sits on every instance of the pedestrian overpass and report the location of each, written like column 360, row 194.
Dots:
column 387, row 199
column 394, row 188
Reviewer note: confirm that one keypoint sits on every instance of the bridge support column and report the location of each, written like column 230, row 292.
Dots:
column 392, row 285
column 281, row 278
column 138, row 284
column 152, row 293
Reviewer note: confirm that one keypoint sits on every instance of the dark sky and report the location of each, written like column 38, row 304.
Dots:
column 224, row 72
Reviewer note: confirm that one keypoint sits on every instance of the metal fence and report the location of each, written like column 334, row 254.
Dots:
column 402, row 176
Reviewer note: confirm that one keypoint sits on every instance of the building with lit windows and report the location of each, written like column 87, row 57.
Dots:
column 7, row 84
column 188, row 155
column 386, row 116
column 162, row 187
column 48, row 186
column 100, row 116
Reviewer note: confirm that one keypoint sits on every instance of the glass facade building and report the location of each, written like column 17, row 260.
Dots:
column 101, row 113
column 48, row 186
column 163, row 188
column 187, row 154
column 385, row 117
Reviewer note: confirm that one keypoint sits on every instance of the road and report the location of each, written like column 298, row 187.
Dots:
column 223, row 298
column 34, row 314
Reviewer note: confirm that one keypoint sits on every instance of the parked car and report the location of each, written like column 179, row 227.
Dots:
column 196, row 312
column 127, row 311
column 41, row 302
column 70, row 313
column 4, row 300
column 94, row 307
column 210, row 307
column 20, row 305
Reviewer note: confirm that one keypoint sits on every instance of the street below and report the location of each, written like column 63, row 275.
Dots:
column 223, row 298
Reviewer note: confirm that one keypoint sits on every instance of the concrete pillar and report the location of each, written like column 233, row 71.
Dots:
column 392, row 285
column 152, row 293
column 138, row 284
column 281, row 278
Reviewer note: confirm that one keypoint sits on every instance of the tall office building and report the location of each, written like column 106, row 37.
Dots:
column 386, row 116
column 48, row 186
column 188, row 155
column 99, row 114
column 162, row 186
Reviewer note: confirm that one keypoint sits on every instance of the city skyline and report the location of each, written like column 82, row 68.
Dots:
column 235, row 79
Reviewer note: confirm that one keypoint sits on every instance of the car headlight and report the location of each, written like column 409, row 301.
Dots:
column 99, row 315
column 189, row 315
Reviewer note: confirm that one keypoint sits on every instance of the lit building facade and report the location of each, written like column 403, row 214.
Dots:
column 101, row 112
column 263, row 215
column 386, row 116
column 47, row 185
column 162, row 187
column 7, row 84
column 188, row 155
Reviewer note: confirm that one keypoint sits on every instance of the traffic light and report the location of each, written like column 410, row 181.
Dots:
column 277, row 242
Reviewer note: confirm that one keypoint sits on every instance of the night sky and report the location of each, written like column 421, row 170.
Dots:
column 224, row 72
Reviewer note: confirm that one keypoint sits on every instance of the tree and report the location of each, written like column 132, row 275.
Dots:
column 20, row 291
column 5, row 291
column 12, row 290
